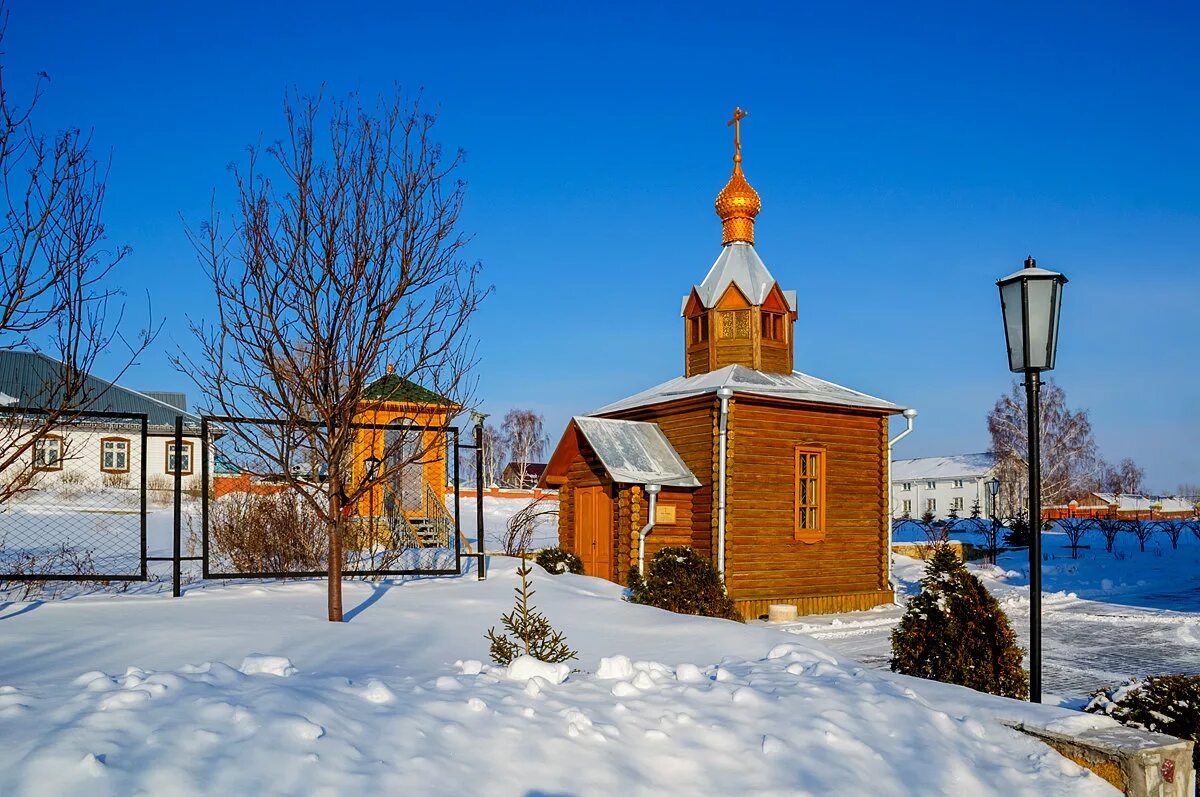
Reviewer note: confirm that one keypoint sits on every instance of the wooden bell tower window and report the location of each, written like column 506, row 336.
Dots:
column 698, row 329
column 810, row 494
column 734, row 323
column 772, row 326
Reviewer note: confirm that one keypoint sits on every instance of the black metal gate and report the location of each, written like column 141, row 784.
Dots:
column 265, row 492
column 74, row 502
column 94, row 502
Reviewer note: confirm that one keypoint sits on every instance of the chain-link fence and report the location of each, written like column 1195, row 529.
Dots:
column 271, row 499
column 73, row 495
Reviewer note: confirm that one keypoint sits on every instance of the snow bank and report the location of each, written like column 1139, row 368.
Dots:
column 100, row 697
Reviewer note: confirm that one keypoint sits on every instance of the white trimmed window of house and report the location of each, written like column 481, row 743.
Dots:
column 185, row 461
column 958, row 482
column 931, row 504
column 906, row 486
column 931, row 485
column 114, row 455
column 48, row 452
column 956, row 504
column 908, row 507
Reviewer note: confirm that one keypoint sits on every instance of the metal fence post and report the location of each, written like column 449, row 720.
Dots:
column 176, row 553
column 479, row 498
column 205, row 475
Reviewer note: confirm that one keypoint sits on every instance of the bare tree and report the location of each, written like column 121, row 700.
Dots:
column 494, row 448
column 344, row 255
column 55, row 268
column 1110, row 527
column 1174, row 530
column 1143, row 530
column 518, row 537
column 1074, row 528
column 1126, row 477
column 525, row 434
column 1070, row 464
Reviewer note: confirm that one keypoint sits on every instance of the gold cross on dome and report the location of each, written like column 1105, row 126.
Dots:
column 736, row 121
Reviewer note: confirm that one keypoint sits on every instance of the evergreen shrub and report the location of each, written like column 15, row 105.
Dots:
column 955, row 631
column 532, row 634
column 557, row 561
column 1161, row 703
column 681, row 580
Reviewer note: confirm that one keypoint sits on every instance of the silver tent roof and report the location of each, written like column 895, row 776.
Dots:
column 794, row 386
column 739, row 264
column 634, row 452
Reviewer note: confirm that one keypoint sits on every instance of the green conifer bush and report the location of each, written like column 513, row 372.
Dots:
column 557, row 561
column 681, row 580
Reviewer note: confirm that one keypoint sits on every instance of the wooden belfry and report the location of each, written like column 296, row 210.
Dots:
column 738, row 315
column 777, row 477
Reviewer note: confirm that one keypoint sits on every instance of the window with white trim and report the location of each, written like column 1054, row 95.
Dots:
column 958, row 482
column 931, row 485
column 956, row 504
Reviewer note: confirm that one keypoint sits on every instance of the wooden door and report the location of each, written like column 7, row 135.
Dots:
column 593, row 530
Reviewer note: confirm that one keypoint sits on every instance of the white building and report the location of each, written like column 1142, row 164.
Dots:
column 941, row 485
column 95, row 456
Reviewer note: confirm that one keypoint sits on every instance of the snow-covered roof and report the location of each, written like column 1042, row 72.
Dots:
column 959, row 466
column 635, row 452
column 739, row 264
column 794, row 386
column 1127, row 502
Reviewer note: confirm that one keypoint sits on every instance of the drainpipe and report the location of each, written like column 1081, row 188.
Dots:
column 652, row 492
column 908, row 414
column 724, row 394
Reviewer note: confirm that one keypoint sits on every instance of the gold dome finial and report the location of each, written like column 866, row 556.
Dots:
column 738, row 203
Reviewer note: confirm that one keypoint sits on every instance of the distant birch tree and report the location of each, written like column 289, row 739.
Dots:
column 525, row 433
column 1070, row 462
column 342, row 257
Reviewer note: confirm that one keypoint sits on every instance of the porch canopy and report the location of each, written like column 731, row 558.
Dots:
column 631, row 452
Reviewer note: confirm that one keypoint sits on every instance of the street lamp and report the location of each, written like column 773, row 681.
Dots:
column 993, row 490
column 1031, row 302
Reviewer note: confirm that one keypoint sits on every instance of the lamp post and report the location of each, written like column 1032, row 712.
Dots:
column 994, row 490
column 1031, row 302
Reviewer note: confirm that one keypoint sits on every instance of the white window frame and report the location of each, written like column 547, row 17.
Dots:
column 120, row 454
column 958, row 483
column 905, row 486
column 931, row 505
column 956, row 504
column 931, row 485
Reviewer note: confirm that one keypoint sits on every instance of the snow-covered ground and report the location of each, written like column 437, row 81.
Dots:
column 117, row 695
column 496, row 513
column 1105, row 616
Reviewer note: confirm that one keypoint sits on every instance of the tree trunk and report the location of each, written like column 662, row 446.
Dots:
column 335, row 555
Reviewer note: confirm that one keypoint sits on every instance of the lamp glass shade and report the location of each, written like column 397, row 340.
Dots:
column 1031, row 301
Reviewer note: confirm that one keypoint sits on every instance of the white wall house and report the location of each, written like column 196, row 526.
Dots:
column 92, row 454
column 942, row 484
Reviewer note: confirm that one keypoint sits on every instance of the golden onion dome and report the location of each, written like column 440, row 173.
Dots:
column 738, row 203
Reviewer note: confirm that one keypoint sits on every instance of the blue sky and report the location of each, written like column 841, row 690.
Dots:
column 907, row 156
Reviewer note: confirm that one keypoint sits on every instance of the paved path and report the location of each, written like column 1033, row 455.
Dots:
column 1087, row 644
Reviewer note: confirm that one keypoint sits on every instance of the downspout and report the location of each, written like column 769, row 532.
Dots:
column 652, row 492
column 908, row 414
column 724, row 394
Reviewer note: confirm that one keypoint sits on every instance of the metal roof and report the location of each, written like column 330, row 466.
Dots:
column 794, row 386
column 960, row 466
column 31, row 377
column 739, row 264
column 634, row 452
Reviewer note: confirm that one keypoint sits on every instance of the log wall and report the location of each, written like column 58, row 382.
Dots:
column 764, row 562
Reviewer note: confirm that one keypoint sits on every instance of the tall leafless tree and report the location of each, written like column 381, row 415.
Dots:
column 56, row 265
column 343, row 257
column 525, row 433
column 1070, row 463
column 494, row 451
